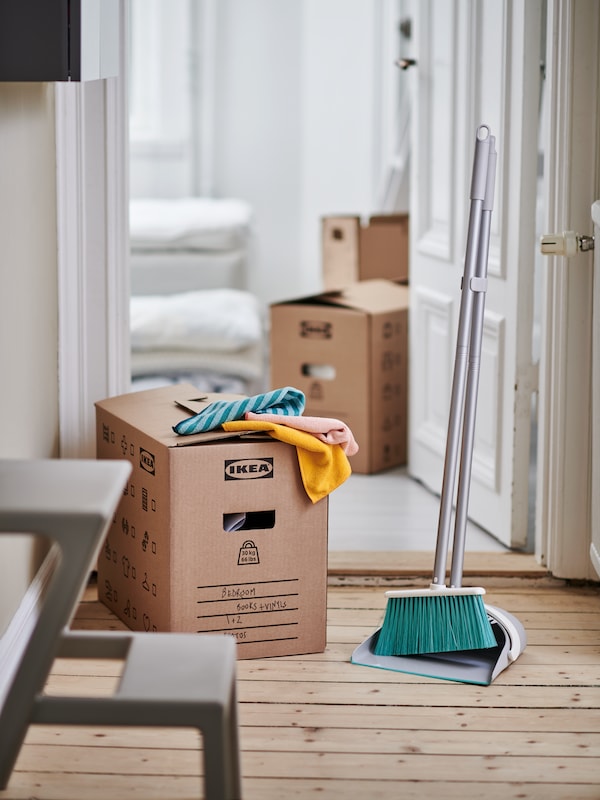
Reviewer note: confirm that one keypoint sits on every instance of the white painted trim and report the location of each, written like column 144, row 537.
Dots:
column 71, row 275
column 595, row 558
column 595, row 466
column 204, row 25
column 551, row 383
column 117, row 224
column 392, row 111
column 93, row 337
column 563, row 488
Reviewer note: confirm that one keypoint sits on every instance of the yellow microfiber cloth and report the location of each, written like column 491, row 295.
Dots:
column 323, row 466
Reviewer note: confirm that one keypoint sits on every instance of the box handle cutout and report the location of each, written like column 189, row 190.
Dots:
column 324, row 372
column 249, row 521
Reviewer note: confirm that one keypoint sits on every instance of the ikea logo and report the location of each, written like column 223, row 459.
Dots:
column 244, row 469
column 147, row 461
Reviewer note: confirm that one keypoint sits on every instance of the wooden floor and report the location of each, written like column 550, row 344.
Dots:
column 319, row 726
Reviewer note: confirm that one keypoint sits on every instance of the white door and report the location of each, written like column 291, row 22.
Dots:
column 477, row 62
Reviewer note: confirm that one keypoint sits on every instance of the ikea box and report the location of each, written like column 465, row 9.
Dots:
column 214, row 532
column 347, row 350
column 353, row 251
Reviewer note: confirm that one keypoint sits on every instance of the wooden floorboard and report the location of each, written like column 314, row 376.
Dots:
column 319, row 726
column 394, row 564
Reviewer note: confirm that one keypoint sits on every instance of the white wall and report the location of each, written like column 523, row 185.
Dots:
column 296, row 128
column 28, row 272
column 258, row 147
column 28, row 296
column 162, row 68
column 340, row 120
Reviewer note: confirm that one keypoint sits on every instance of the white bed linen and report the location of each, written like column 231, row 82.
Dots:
column 247, row 364
column 173, row 272
column 188, row 223
column 221, row 320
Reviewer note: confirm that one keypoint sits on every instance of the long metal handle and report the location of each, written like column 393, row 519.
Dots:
column 477, row 196
column 479, row 286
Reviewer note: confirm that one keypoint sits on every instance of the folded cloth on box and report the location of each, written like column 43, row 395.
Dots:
column 188, row 223
column 215, row 319
column 326, row 429
column 323, row 467
column 279, row 401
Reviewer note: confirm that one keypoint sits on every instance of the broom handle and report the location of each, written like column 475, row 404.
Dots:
column 477, row 195
column 479, row 286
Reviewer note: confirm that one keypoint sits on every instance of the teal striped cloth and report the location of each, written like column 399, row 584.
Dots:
column 287, row 401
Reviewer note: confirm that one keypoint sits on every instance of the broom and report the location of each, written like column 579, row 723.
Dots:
column 449, row 618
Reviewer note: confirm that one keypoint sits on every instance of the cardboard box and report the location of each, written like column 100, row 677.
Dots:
column 215, row 532
column 348, row 352
column 354, row 252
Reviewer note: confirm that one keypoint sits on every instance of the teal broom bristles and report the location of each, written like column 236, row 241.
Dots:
column 434, row 621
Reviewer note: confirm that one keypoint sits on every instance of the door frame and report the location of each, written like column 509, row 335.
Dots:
column 572, row 182
column 93, row 244
column 595, row 476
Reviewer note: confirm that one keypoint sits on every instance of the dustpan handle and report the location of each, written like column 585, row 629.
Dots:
column 477, row 195
column 480, row 287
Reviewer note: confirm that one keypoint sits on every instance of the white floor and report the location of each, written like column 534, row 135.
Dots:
column 391, row 511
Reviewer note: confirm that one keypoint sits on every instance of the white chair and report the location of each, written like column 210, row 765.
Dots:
column 168, row 680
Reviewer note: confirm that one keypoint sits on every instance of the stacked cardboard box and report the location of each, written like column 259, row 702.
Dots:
column 214, row 533
column 352, row 251
column 347, row 350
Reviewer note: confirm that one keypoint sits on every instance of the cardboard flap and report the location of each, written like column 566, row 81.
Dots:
column 375, row 296
column 389, row 219
column 194, row 405
column 156, row 411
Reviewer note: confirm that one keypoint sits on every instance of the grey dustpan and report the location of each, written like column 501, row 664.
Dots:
column 463, row 666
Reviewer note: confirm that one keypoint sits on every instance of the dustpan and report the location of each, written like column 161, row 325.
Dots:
column 479, row 666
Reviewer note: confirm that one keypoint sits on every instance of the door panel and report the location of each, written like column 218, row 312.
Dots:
column 474, row 67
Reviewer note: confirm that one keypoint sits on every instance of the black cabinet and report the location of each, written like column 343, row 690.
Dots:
column 58, row 40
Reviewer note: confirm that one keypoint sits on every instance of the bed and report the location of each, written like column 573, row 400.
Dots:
column 192, row 315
